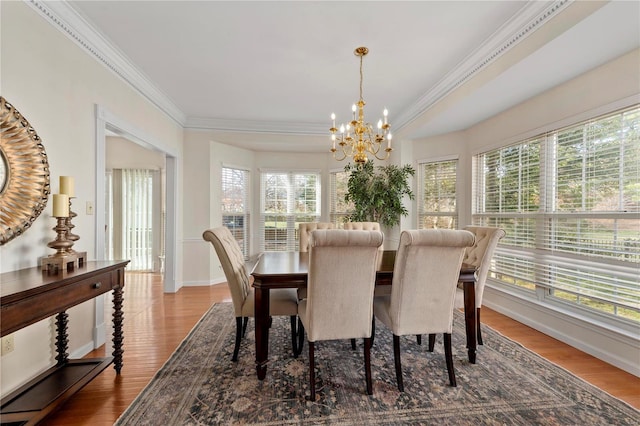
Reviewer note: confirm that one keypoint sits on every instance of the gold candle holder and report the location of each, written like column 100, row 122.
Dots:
column 64, row 258
column 71, row 236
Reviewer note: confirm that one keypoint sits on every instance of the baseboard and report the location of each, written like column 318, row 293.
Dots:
column 203, row 283
column 616, row 348
column 81, row 351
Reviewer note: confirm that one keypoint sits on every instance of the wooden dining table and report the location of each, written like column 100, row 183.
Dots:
column 274, row 270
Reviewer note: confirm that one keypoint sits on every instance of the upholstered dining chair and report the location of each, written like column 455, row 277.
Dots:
column 423, row 289
column 368, row 226
column 339, row 303
column 305, row 229
column 282, row 302
column 361, row 226
column 480, row 255
column 304, row 234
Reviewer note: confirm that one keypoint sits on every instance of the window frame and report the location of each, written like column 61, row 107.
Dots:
column 528, row 260
column 423, row 213
column 242, row 232
column 288, row 216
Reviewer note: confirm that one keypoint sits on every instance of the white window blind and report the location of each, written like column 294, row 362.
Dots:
column 339, row 208
column 437, row 207
column 287, row 199
column 129, row 217
column 235, row 205
column 569, row 201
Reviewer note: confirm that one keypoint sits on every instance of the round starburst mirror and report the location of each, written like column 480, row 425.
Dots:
column 24, row 173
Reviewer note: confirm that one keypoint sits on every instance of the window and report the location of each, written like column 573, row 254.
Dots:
column 569, row 201
column 235, row 205
column 288, row 198
column 339, row 208
column 437, row 195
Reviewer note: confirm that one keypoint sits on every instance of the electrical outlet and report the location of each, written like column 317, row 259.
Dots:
column 8, row 344
column 89, row 208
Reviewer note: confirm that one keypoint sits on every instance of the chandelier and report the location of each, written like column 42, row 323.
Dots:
column 357, row 138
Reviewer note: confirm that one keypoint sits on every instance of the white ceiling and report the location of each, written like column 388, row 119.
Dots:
column 282, row 67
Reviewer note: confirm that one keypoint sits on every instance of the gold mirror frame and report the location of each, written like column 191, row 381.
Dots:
column 25, row 190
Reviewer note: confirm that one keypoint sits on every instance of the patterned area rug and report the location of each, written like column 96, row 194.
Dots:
column 199, row 385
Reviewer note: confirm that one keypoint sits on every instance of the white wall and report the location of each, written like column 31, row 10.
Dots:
column 124, row 154
column 601, row 90
column 56, row 86
column 206, row 152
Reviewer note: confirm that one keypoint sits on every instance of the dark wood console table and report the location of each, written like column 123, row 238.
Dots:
column 30, row 295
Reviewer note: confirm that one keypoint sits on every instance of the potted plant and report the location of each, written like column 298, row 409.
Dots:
column 377, row 192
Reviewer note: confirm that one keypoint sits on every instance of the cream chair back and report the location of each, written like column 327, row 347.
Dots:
column 305, row 229
column 366, row 226
column 425, row 275
column 481, row 253
column 232, row 261
column 342, row 273
column 361, row 226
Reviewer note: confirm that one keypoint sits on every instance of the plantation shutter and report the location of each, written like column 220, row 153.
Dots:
column 568, row 201
column 287, row 198
column 235, row 205
column 338, row 207
column 437, row 206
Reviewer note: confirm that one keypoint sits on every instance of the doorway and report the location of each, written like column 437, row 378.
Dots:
column 110, row 124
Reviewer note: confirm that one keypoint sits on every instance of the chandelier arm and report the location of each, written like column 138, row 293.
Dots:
column 339, row 159
column 387, row 150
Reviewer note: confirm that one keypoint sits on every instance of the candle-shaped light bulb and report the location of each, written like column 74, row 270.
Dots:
column 60, row 205
column 389, row 137
column 353, row 108
column 333, row 141
column 379, row 124
column 333, row 121
column 342, row 128
column 385, row 113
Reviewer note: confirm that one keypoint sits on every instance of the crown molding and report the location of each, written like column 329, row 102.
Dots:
column 66, row 19
column 255, row 126
column 61, row 15
column 520, row 26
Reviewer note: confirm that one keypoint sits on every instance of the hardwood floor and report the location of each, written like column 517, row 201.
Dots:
column 155, row 323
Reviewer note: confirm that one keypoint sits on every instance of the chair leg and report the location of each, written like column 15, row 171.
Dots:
column 367, row 365
column 312, row 372
column 432, row 342
column 236, row 349
column 396, row 357
column 478, row 333
column 419, row 338
column 294, row 335
column 449, row 358
column 300, row 336
column 373, row 330
column 244, row 325
column 353, row 344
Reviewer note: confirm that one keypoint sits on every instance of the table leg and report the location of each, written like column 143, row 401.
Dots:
column 117, row 327
column 262, row 330
column 470, row 318
column 62, row 339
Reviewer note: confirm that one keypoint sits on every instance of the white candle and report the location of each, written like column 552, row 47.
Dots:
column 67, row 186
column 60, row 205
column 333, row 119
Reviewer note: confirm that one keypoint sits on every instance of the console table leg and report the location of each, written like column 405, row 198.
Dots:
column 62, row 339
column 117, row 327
